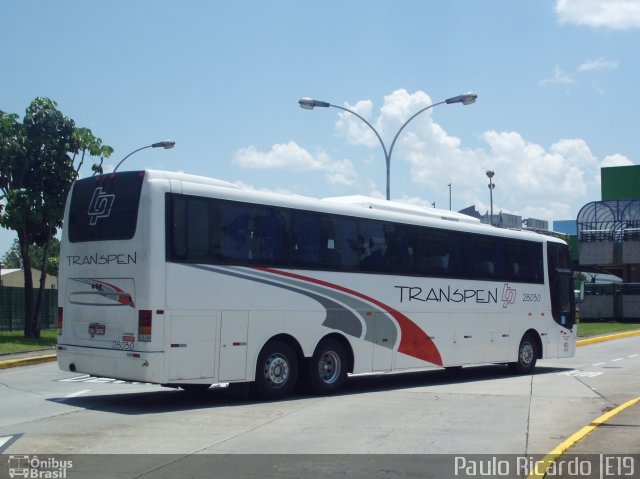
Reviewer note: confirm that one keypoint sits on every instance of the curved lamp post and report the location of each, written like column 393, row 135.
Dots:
column 310, row 104
column 492, row 185
column 167, row 144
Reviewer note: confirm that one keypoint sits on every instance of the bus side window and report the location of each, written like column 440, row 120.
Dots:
column 344, row 235
column 178, row 230
column 270, row 241
column 236, row 233
column 397, row 256
column 435, row 252
column 198, row 230
column 306, row 239
column 373, row 246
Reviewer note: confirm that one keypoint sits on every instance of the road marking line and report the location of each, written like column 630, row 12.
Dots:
column 633, row 356
column 561, row 448
column 84, row 377
column 77, row 393
column 617, row 359
column 4, row 440
column 579, row 373
column 599, row 364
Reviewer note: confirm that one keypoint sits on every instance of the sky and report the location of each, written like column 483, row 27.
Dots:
column 555, row 81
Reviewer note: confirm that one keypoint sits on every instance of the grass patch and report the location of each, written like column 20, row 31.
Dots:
column 600, row 328
column 15, row 342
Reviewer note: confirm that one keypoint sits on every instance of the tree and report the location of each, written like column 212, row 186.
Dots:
column 12, row 258
column 36, row 172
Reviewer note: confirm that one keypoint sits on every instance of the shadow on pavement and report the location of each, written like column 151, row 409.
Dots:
column 137, row 403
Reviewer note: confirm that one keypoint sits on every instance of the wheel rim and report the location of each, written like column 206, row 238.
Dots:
column 329, row 367
column 276, row 370
column 526, row 354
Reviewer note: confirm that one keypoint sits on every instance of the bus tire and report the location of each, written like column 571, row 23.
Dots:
column 527, row 356
column 328, row 367
column 276, row 371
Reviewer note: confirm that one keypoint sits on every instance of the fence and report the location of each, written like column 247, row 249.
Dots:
column 606, row 302
column 12, row 308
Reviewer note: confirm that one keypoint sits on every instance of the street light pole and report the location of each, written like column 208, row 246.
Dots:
column 310, row 104
column 449, row 196
column 167, row 144
column 491, row 187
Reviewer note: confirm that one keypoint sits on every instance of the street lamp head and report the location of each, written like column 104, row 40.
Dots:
column 490, row 174
column 466, row 99
column 309, row 103
column 167, row 144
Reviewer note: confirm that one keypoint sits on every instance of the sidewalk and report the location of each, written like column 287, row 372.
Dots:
column 27, row 359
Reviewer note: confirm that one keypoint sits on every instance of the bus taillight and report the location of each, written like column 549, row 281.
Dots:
column 144, row 325
column 59, row 321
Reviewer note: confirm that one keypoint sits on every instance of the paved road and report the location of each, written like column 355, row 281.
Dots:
column 481, row 410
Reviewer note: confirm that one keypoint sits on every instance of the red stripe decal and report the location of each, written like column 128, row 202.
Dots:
column 413, row 340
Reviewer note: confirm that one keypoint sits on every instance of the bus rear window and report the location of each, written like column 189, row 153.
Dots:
column 105, row 207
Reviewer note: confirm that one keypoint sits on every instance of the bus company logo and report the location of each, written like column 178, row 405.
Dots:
column 508, row 295
column 100, row 206
column 34, row 467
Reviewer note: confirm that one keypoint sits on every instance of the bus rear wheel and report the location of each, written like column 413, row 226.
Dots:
column 328, row 367
column 276, row 371
column 527, row 356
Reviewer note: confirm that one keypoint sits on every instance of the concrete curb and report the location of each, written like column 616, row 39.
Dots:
column 608, row 337
column 561, row 448
column 14, row 363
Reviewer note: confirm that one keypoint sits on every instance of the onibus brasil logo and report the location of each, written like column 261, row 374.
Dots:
column 100, row 206
column 40, row 468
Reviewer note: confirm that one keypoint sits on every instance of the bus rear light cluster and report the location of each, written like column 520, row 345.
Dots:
column 144, row 325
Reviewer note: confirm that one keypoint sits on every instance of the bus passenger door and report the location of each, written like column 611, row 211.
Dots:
column 234, row 327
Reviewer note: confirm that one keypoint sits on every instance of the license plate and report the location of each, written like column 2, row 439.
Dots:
column 97, row 329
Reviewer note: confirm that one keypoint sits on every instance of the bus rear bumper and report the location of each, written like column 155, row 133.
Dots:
column 126, row 365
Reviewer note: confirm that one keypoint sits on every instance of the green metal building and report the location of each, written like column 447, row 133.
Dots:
column 620, row 183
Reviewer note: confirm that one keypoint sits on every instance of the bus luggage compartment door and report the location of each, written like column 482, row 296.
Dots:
column 234, row 327
column 192, row 345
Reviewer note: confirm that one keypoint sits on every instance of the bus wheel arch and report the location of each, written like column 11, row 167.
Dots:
column 529, row 351
column 326, row 370
column 277, row 367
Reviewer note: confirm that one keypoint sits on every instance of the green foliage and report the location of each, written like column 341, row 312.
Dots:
column 13, row 259
column 37, row 168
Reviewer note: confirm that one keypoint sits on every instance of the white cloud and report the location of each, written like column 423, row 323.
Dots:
column 292, row 157
column 615, row 160
column 613, row 14
column 558, row 76
column 532, row 180
column 597, row 65
column 611, row 160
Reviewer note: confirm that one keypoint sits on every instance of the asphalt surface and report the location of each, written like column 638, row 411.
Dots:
column 607, row 442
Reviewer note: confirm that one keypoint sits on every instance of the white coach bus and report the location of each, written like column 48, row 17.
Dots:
column 187, row 281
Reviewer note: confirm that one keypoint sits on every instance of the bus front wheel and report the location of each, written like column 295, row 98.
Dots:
column 328, row 367
column 527, row 356
column 276, row 371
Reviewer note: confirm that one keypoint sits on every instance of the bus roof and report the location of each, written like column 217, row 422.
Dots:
column 397, row 207
column 357, row 205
